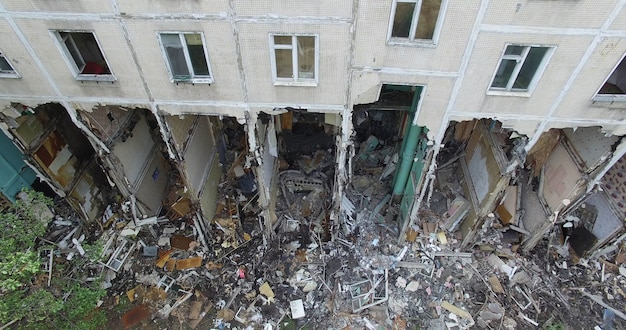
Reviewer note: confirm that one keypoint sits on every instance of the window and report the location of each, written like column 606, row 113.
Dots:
column 415, row 21
column 519, row 68
column 294, row 59
column 6, row 69
column 84, row 55
column 186, row 57
column 614, row 88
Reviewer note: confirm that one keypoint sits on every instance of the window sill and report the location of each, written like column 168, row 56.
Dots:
column 509, row 93
column 94, row 77
column 10, row 75
column 193, row 81
column 311, row 83
column 609, row 98
column 426, row 43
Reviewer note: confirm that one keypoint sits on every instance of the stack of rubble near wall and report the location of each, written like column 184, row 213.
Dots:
column 157, row 269
column 362, row 279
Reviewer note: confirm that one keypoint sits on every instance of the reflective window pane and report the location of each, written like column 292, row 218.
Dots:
column 529, row 68
column 175, row 55
column 402, row 19
column 429, row 12
column 284, row 63
column 196, row 54
column 4, row 65
column 514, row 50
column 306, row 57
column 503, row 74
column 282, row 40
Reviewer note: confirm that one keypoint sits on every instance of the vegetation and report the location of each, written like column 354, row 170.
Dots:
column 26, row 301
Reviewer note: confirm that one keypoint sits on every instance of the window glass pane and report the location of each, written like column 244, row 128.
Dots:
column 175, row 55
column 514, row 50
column 529, row 68
column 282, row 40
column 306, row 57
column 615, row 83
column 4, row 65
column 196, row 53
column 427, row 22
column 402, row 19
column 90, row 52
column 284, row 63
column 503, row 74
column 72, row 48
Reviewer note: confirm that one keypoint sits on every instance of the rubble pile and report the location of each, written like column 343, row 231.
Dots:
column 312, row 271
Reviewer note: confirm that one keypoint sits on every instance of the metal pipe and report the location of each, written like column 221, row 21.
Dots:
column 407, row 157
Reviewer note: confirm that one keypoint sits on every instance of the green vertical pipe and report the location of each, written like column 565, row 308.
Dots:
column 406, row 160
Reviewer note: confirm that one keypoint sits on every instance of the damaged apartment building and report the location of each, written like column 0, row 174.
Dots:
column 457, row 115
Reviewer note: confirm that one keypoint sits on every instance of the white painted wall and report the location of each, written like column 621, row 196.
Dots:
column 32, row 81
column 114, row 48
column 220, row 46
column 371, row 39
column 577, row 14
column 333, row 63
column 489, row 47
column 154, row 7
column 295, row 8
column 82, row 6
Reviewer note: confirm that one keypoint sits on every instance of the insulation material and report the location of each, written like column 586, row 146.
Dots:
column 542, row 149
column 614, row 183
column 561, row 178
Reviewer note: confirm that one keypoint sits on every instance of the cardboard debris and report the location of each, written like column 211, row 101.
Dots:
column 195, row 322
column 267, row 291
column 180, row 242
column 496, row 286
column 170, row 265
column 160, row 263
column 226, row 314
column 457, row 311
column 195, row 310
column 188, row 263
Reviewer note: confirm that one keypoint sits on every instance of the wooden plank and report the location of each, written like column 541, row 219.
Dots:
column 286, row 121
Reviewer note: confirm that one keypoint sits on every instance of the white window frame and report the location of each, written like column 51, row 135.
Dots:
column 597, row 97
column 8, row 74
column 199, row 79
column 294, row 81
column 520, row 59
column 69, row 59
column 414, row 22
